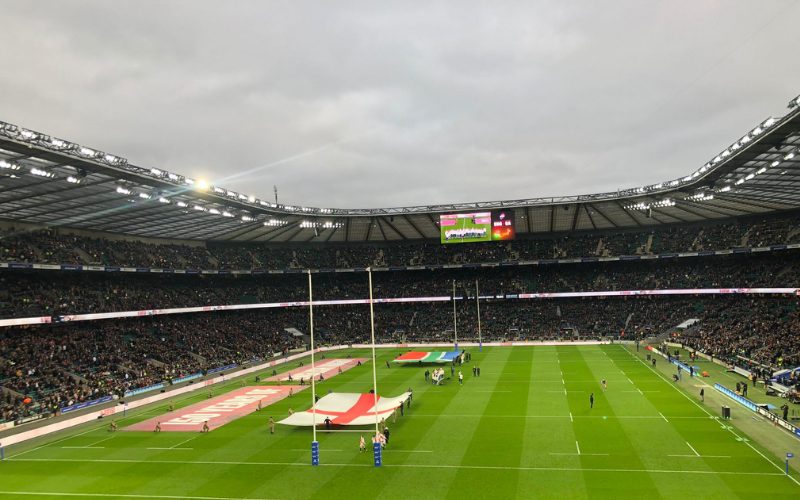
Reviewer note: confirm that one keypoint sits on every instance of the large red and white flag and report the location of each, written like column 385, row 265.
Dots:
column 347, row 409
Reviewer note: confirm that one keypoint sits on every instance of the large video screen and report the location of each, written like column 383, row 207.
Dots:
column 479, row 226
column 466, row 228
column 503, row 225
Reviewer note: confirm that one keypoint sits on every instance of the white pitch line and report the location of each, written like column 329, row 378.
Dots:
column 321, row 449
column 404, row 466
column 699, row 456
column 565, row 392
column 570, row 417
column 176, row 449
column 690, row 446
column 578, row 447
column 582, row 454
column 83, row 447
column 184, row 442
column 101, row 441
column 492, row 391
column 171, row 497
column 58, row 441
column 631, row 381
column 662, row 416
column 640, row 392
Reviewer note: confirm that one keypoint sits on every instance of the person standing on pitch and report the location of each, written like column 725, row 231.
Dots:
column 460, row 378
column 158, row 427
column 452, row 371
column 362, row 445
column 702, row 395
column 259, row 407
column 474, row 370
column 394, row 416
column 604, row 385
column 386, row 435
column 383, row 424
column 171, row 406
column 205, row 427
column 291, row 392
column 591, row 401
column 328, row 424
column 271, row 426
column 210, row 393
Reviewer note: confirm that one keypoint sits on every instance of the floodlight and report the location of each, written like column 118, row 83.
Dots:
column 73, row 180
column 9, row 165
column 201, row 184
column 156, row 172
column 163, row 200
column 181, row 204
column 214, row 211
column 144, row 196
column 122, row 190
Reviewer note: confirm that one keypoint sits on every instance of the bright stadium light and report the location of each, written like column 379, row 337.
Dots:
column 156, row 172
column 213, row 211
column 775, row 163
column 42, row 173
column 144, row 196
column 199, row 208
column 761, row 170
column 122, row 190
column 188, row 181
column 227, row 214
column 173, row 177
column 181, row 204
column 73, row 180
column 163, row 200
column 790, row 155
column 251, row 199
column 201, row 184
column 246, row 218
column 9, row 165
column 219, row 190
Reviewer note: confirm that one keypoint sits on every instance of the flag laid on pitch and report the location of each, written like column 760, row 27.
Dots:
column 427, row 357
column 347, row 409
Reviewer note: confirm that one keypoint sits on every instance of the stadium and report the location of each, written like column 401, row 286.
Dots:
column 169, row 336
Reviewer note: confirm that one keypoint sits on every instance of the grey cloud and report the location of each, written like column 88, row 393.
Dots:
column 404, row 103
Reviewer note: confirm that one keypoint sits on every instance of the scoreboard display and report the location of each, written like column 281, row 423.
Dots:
column 503, row 225
column 477, row 226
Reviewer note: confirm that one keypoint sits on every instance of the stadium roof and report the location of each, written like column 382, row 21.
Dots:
column 53, row 182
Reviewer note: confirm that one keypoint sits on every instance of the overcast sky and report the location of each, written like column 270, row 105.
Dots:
column 376, row 104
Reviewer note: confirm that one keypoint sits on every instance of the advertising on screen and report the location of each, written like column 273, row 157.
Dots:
column 466, row 228
column 503, row 225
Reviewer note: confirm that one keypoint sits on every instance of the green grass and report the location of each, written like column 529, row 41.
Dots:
column 512, row 433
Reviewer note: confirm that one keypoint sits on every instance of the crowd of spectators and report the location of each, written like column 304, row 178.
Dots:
column 51, row 246
column 61, row 364
column 38, row 293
